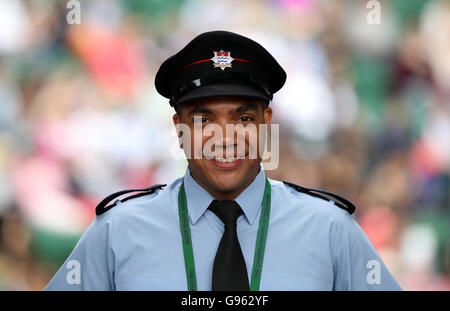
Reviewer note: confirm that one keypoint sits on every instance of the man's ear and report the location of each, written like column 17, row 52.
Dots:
column 267, row 115
column 176, row 118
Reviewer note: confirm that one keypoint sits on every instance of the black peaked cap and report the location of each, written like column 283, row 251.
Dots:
column 219, row 63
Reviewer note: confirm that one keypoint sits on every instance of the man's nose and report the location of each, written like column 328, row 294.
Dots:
column 225, row 136
column 228, row 134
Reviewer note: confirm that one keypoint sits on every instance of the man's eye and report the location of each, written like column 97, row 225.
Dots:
column 245, row 118
column 201, row 119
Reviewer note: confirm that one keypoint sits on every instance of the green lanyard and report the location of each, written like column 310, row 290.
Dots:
column 260, row 239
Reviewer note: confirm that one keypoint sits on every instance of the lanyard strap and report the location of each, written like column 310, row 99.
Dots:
column 260, row 239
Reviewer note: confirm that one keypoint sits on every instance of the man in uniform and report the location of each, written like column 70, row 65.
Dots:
column 224, row 225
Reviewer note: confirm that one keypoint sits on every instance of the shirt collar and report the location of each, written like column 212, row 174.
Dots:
column 198, row 199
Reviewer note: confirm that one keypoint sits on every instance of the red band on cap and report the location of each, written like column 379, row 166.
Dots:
column 247, row 61
column 208, row 59
column 181, row 69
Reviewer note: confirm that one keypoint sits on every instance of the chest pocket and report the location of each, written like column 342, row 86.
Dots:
column 276, row 282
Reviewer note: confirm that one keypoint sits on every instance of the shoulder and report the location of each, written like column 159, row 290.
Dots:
column 131, row 201
column 316, row 203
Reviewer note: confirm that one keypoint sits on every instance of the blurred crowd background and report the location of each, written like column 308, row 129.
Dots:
column 365, row 113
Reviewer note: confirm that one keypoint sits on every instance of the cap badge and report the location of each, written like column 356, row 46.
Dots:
column 222, row 59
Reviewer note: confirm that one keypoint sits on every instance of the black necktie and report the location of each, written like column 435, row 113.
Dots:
column 229, row 271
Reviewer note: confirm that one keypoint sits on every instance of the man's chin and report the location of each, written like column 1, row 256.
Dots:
column 224, row 179
column 226, row 185
column 230, row 183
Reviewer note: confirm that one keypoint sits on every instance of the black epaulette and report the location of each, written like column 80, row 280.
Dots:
column 344, row 203
column 101, row 207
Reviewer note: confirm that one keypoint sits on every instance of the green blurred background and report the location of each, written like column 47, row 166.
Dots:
column 365, row 113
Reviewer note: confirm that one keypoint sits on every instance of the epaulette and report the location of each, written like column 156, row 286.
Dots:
column 344, row 203
column 101, row 207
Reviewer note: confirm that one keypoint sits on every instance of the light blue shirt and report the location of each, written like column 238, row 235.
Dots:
column 311, row 244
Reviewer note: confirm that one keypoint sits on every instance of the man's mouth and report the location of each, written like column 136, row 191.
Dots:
column 228, row 160
column 227, row 163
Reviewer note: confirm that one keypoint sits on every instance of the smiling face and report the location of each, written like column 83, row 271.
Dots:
column 233, row 160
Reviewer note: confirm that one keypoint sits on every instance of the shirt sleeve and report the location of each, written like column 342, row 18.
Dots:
column 356, row 263
column 90, row 266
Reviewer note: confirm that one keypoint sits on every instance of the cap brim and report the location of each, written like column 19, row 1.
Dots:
column 222, row 89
